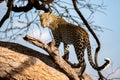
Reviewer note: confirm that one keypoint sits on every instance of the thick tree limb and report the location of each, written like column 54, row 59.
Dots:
column 1, row 1
column 26, row 8
column 54, row 53
column 47, row 1
column 18, row 62
column 29, row 6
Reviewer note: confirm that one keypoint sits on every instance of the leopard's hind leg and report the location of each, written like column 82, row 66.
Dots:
column 79, row 49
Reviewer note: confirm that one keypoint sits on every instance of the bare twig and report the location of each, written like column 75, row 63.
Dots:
column 54, row 53
column 6, row 16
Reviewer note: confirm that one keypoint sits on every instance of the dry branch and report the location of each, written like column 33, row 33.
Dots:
column 54, row 53
column 6, row 16
column 18, row 62
column 31, row 4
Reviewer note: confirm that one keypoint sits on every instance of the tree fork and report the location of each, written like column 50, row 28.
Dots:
column 54, row 53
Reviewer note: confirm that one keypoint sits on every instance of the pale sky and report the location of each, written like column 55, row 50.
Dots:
column 109, row 38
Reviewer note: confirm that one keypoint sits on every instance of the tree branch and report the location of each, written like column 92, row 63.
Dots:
column 1, row 1
column 6, row 16
column 18, row 62
column 26, row 8
column 29, row 6
column 54, row 53
column 38, row 6
column 47, row 1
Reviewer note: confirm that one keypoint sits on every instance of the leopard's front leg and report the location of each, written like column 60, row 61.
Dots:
column 66, row 52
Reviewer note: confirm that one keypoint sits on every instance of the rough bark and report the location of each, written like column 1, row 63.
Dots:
column 18, row 62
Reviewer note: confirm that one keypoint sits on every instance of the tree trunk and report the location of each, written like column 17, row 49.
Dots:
column 18, row 62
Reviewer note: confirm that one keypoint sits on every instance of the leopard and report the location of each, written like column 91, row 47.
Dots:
column 68, row 33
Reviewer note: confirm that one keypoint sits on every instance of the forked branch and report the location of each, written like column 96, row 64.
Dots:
column 54, row 53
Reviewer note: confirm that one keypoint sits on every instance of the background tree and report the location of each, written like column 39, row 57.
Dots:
column 26, row 12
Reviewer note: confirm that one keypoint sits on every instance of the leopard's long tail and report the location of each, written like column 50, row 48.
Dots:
column 105, row 65
column 97, row 40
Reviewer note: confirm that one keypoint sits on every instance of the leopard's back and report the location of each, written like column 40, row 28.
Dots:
column 70, row 34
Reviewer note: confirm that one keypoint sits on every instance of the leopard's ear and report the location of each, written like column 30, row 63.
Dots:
column 49, row 13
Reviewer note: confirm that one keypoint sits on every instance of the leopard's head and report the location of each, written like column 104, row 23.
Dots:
column 46, row 19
